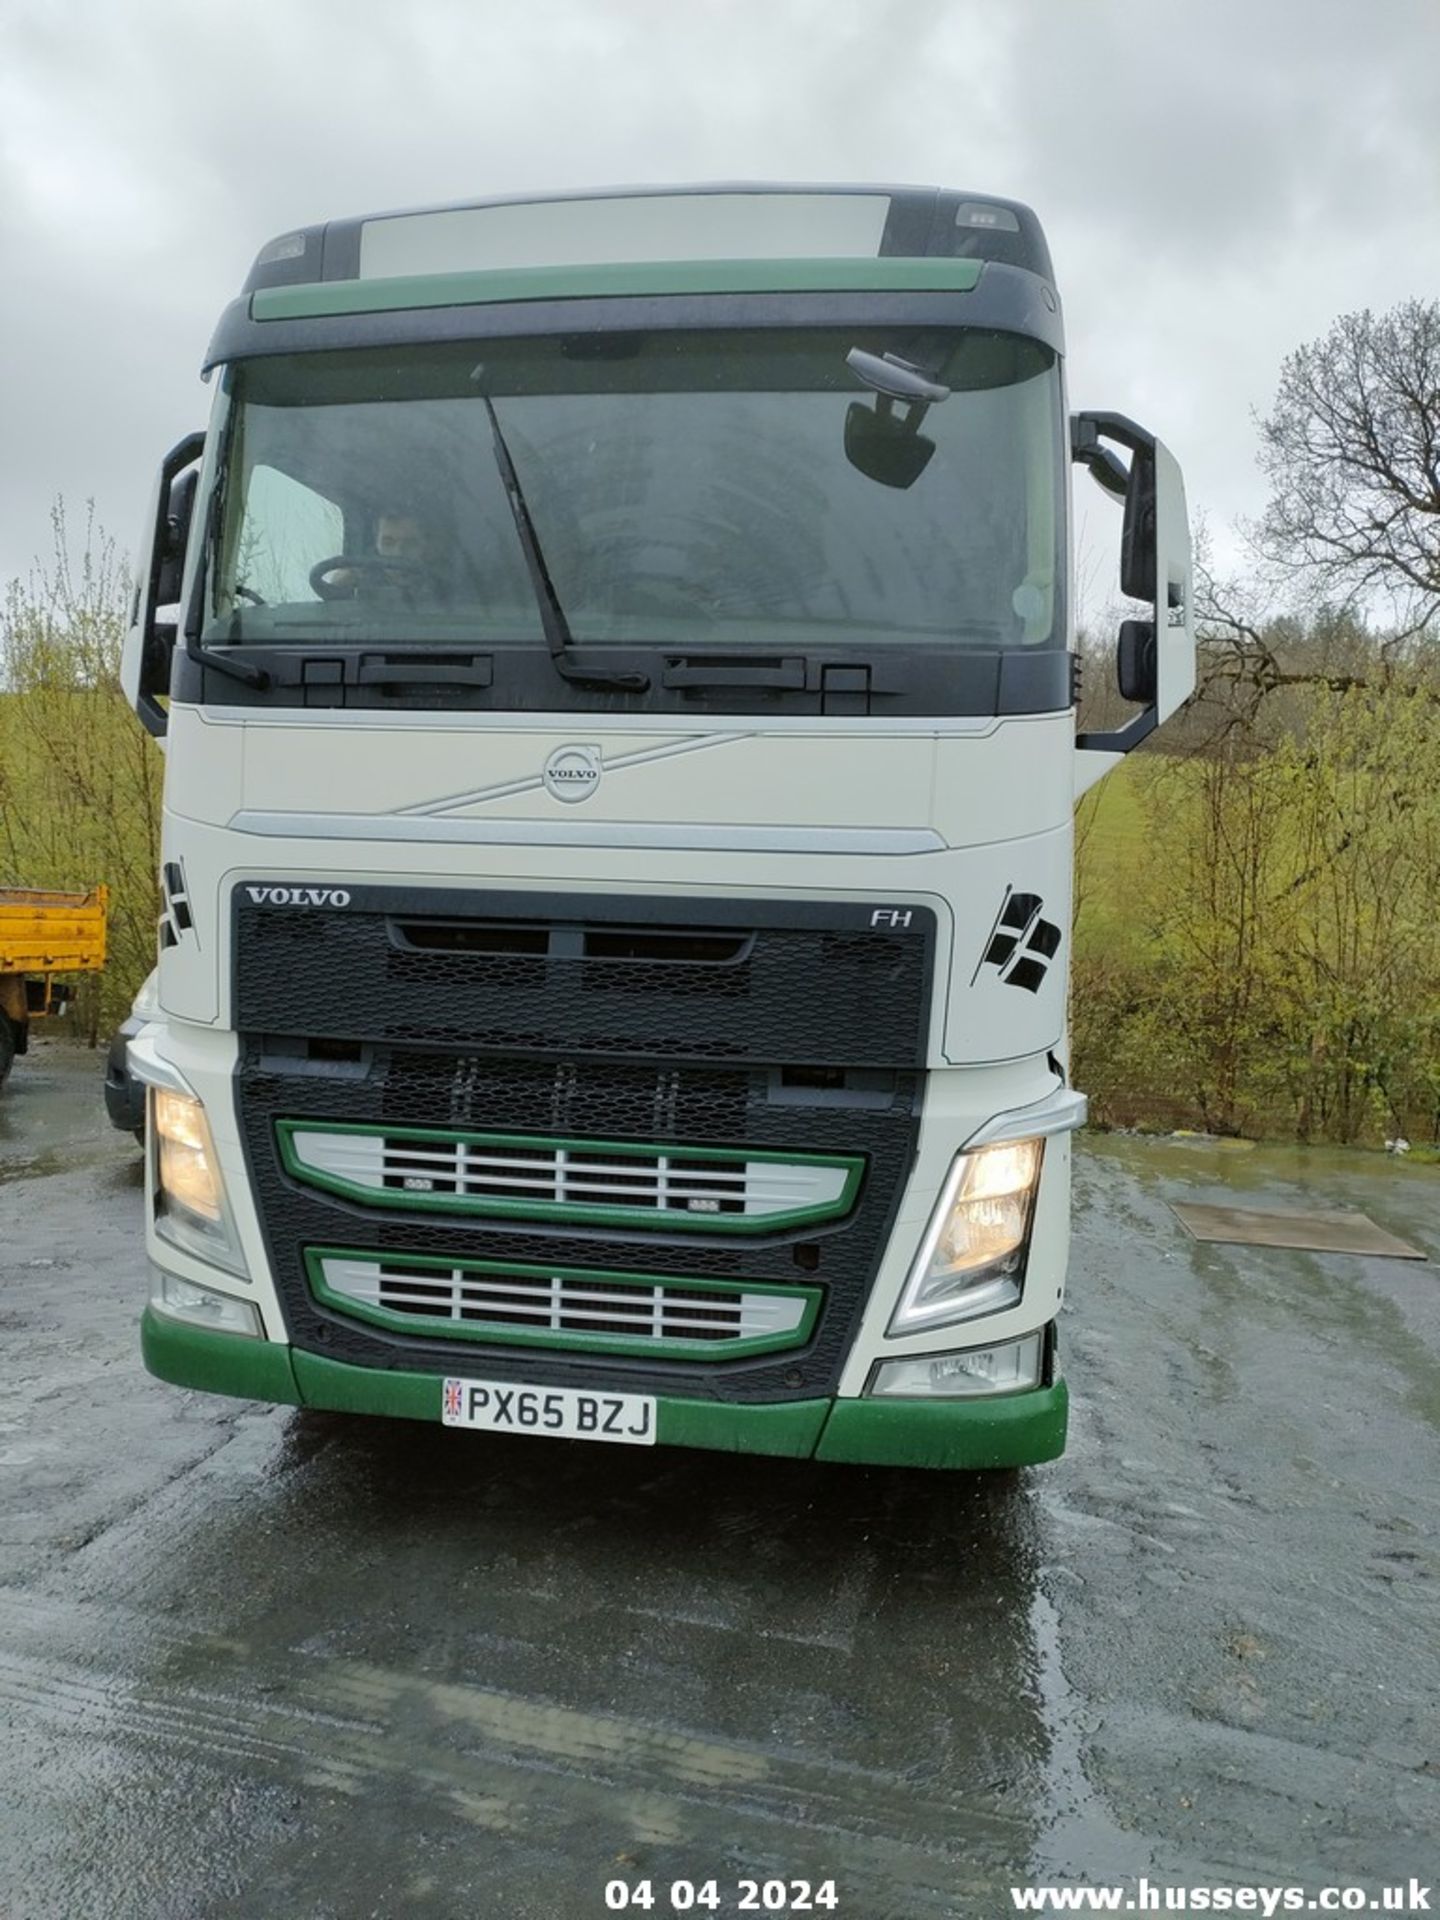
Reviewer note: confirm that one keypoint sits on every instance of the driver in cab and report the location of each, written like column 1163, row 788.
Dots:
column 408, row 555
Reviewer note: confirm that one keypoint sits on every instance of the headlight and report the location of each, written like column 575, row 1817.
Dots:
column 190, row 1205
column 972, row 1259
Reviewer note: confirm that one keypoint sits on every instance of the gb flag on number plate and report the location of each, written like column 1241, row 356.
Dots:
column 452, row 1397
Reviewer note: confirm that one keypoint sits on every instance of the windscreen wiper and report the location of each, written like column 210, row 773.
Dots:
column 244, row 671
column 220, row 661
column 558, row 636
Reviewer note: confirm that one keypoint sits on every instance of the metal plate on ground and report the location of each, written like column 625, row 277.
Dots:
column 1314, row 1231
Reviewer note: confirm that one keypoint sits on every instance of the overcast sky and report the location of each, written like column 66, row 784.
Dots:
column 1218, row 178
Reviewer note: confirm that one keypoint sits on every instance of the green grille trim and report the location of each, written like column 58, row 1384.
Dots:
column 614, row 280
column 588, row 1213
column 499, row 1334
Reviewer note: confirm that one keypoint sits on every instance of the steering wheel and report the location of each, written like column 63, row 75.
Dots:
column 402, row 572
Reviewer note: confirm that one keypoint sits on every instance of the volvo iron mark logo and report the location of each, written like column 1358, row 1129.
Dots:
column 572, row 773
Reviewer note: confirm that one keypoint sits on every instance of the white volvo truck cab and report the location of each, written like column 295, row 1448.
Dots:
column 615, row 654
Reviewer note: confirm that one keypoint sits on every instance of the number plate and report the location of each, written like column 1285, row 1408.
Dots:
column 566, row 1413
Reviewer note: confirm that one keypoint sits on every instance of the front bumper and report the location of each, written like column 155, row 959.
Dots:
column 1013, row 1430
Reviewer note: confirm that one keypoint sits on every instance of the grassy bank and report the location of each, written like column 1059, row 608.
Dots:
column 1255, row 942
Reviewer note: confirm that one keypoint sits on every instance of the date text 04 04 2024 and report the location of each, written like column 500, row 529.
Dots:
column 745, row 1896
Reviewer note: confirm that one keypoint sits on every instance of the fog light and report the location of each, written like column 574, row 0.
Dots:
column 1011, row 1368
column 190, row 1206
column 972, row 1259
column 202, row 1306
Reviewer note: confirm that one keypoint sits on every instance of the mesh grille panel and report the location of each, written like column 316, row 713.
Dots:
column 787, row 986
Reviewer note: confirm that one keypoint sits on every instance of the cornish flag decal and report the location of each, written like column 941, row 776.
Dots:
column 1021, row 944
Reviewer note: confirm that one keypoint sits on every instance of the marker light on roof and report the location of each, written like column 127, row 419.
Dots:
column 974, row 213
column 290, row 246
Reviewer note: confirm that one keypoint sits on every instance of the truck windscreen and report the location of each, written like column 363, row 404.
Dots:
column 885, row 488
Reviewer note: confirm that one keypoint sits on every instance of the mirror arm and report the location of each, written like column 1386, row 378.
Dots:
column 1104, row 466
column 1123, row 739
column 1088, row 431
column 151, row 715
column 895, row 378
column 1115, row 426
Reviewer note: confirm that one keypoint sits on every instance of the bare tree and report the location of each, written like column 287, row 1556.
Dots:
column 1250, row 652
column 1352, row 452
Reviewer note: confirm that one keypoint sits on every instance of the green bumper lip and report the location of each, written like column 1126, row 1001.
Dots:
column 1012, row 1430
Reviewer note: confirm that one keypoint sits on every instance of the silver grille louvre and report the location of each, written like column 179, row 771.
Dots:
column 686, row 1182
column 563, row 1303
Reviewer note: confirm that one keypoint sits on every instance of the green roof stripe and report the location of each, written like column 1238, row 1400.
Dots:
column 614, row 281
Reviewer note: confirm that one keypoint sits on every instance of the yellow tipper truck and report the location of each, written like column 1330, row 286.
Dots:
column 43, row 935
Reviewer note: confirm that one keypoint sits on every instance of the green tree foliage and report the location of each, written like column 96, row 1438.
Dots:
column 1264, row 956
column 80, row 781
column 1282, row 971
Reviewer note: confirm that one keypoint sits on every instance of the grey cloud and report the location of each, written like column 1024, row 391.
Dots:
column 1217, row 182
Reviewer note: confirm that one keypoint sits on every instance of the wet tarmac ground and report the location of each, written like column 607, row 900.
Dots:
column 262, row 1663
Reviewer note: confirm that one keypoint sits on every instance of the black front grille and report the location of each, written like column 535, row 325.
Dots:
column 483, row 972
column 761, row 1026
column 872, row 1114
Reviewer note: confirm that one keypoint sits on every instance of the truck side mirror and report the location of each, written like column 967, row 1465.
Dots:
column 1137, row 531
column 150, row 642
column 1135, row 661
column 1155, row 658
column 179, row 511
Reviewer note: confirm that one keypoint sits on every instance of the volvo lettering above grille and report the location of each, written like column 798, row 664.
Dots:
column 799, row 982
column 718, row 1189
column 564, row 1307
